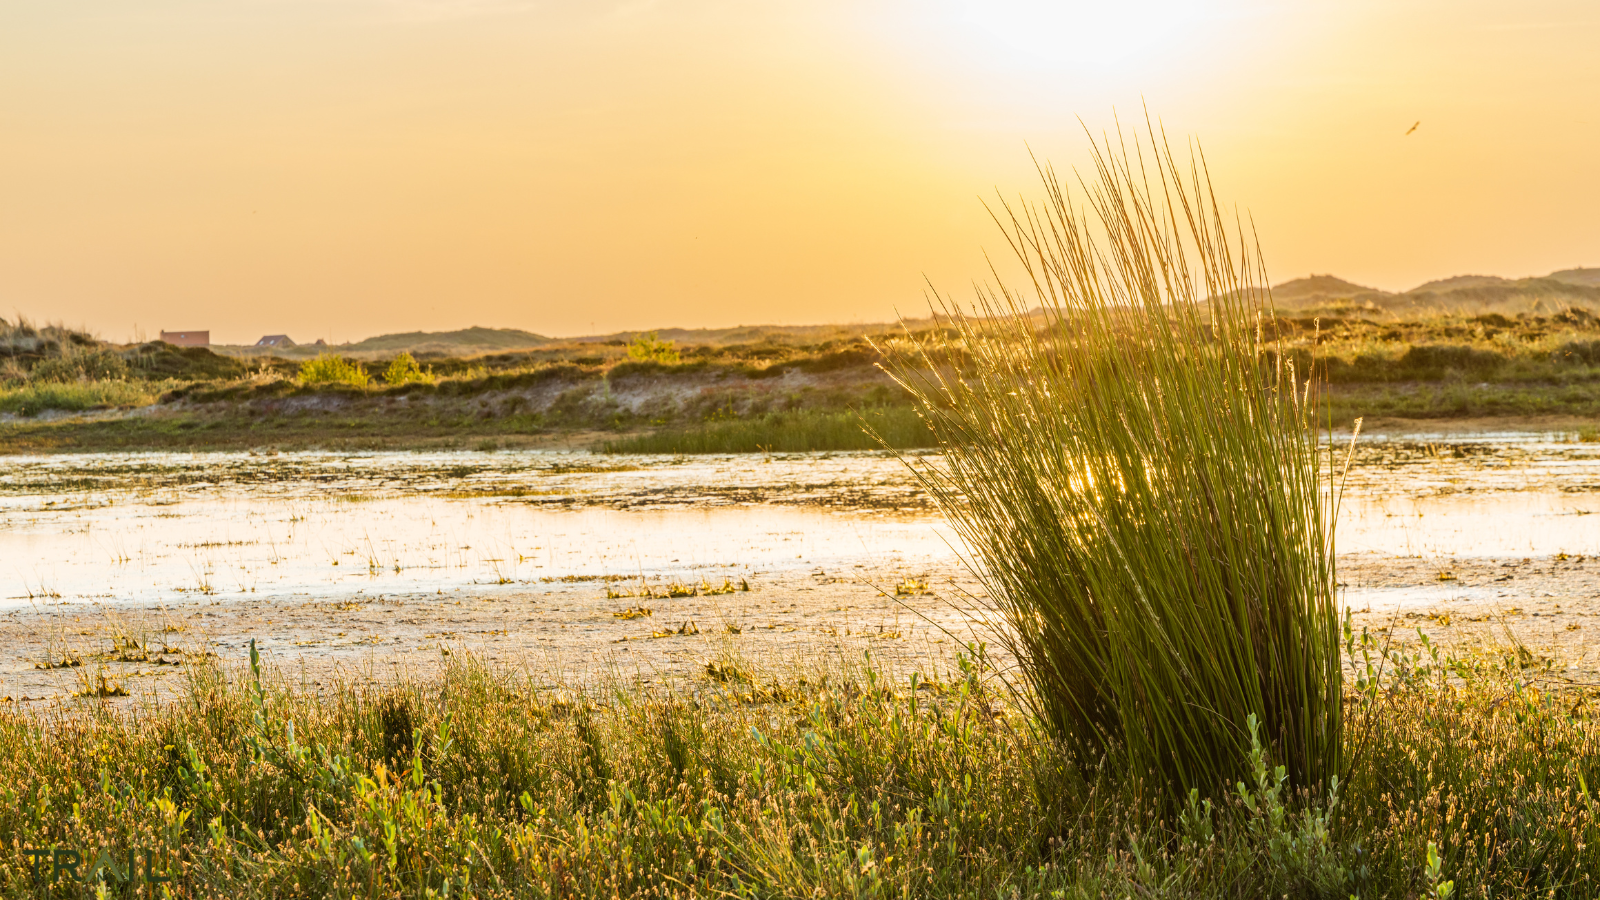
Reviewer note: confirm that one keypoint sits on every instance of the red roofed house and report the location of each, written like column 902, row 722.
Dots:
column 187, row 338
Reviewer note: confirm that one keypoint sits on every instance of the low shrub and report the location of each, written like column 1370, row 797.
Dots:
column 328, row 369
column 647, row 347
column 1581, row 352
column 1436, row 360
column 403, row 369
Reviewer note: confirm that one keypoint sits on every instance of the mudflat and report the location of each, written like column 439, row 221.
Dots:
column 126, row 569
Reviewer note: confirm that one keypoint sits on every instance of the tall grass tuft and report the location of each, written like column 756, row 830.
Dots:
column 1142, row 492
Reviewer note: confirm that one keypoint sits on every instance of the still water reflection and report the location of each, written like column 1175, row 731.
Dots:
column 153, row 527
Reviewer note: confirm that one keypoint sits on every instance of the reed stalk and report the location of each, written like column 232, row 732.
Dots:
column 1139, row 484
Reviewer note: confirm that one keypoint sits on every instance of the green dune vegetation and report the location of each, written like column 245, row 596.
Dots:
column 1468, row 347
column 1185, row 717
column 747, row 390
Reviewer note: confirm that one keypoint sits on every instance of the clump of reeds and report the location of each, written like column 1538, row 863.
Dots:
column 1141, row 491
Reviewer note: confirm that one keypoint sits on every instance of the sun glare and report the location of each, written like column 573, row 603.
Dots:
column 1096, row 36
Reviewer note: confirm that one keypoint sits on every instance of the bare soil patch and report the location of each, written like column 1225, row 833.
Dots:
column 573, row 633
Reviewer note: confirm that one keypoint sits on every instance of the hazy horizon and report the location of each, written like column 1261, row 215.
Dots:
column 308, row 338
column 346, row 168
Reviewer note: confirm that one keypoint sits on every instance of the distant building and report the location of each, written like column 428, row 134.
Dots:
column 280, row 341
column 187, row 338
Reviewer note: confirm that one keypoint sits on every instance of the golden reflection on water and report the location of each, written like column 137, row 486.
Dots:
column 155, row 527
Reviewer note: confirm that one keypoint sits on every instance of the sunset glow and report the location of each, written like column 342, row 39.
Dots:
column 343, row 168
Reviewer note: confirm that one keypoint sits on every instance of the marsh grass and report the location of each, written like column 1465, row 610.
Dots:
column 1144, row 499
column 81, row 364
column 25, row 340
column 33, row 397
column 837, row 779
column 1460, row 400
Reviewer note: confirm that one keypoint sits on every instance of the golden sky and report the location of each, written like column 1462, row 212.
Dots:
column 343, row 168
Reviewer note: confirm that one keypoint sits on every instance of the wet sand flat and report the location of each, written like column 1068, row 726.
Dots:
column 573, row 633
column 129, row 567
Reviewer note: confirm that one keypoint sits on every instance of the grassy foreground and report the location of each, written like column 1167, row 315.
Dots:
column 844, row 782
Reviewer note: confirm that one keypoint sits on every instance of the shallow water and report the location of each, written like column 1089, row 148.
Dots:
column 143, row 527
column 152, row 527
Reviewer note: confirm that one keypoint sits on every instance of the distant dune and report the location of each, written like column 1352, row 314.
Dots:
column 476, row 338
column 1460, row 282
column 1315, row 288
column 1462, row 294
column 1587, row 277
column 1314, row 294
column 477, row 341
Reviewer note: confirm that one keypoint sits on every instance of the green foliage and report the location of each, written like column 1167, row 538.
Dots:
column 1528, row 350
column 647, row 347
column 1438, row 887
column 1147, row 507
column 796, row 393
column 403, row 369
column 1300, row 848
column 32, row 398
column 1478, row 767
column 329, row 369
column 898, row 427
column 89, row 364
column 842, row 782
column 1459, row 400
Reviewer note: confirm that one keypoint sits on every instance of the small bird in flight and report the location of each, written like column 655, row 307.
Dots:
column 1413, row 127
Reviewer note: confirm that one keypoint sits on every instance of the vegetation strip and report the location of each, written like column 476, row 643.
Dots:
column 745, row 392
column 846, row 780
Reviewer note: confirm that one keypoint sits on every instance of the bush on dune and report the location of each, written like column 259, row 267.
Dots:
column 326, row 369
column 647, row 347
column 403, row 369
